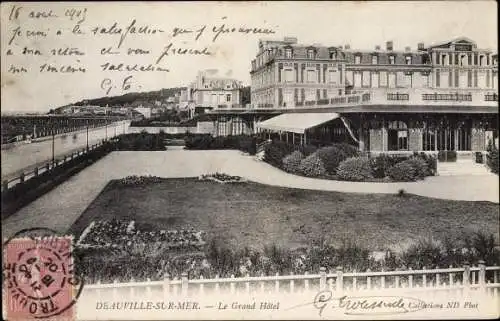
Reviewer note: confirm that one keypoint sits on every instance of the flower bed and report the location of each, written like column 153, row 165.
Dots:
column 122, row 234
column 135, row 180
column 221, row 178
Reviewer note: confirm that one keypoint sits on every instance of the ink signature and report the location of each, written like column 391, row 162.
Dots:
column 367, row 305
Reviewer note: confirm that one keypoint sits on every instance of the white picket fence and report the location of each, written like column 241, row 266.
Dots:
column 481, row 280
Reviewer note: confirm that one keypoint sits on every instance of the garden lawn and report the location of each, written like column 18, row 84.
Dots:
column 255, row 215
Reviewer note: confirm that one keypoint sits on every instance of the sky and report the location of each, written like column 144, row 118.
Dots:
column 362, row 25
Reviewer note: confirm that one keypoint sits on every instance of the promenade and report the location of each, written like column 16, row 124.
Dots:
column 59, row 208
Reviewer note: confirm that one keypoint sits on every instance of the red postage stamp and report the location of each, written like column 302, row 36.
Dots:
column 39, row 279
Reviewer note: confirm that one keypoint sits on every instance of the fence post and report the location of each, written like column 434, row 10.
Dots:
column 47, row 166
column 132, row 290
column 410, row 280
column 424, row 278
column 322, row 278
column 466, row 279
column 466, row 276
column 21, row 177
column 262, row 283
column 247, row 284
column 482, row 276
column 306, row 282
column 166, row 285
column 292, row 284
column 184, row 283
column 340, row 280
column 368, row 281
column 35, row 171
column 232, row 284
column 217, row 288
column 5, row 185
column 277, row 284
column 115, row 289
column 201, row 285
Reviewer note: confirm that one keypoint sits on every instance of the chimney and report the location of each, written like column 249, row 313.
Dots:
column 389, row 46
column 347, row 47
column 421, row 46
column 407, row 49
column 377, row 47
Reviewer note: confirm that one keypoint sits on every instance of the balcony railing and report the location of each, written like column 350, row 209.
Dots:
column 491, row 97
column 447, row 97
column 397, row 96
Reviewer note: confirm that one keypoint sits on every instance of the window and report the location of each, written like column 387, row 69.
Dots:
column 374, row 60
column 469, row 78
column 333, row 55
column 228, row 97
column 310, row 53
column 444, row 59
column 462, row 60
column 408, row 60
column 481, row 60
column 398, row 136
column 392, row 60
column 288, row 53
column 288, row 75
column 357, row 59
column 311, row 76
column 325, row 94
column 438, row 78
column 331, row 77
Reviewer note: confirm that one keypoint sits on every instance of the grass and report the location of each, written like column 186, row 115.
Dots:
column 257, row 215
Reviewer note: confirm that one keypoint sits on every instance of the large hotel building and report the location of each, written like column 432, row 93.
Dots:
column 437, row 97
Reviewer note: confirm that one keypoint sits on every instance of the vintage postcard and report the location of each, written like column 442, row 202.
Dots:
column 250, row 160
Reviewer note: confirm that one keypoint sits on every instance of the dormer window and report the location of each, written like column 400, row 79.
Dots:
column 288, row 53
column 333, row 54
column 357, row 59
column 310, row 53
column 408, row 60
column 374, row 59
column 392, row 60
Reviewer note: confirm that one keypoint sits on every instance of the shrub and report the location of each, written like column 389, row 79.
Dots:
column 331, row 156
column 492, row 159
column 420, row 166
column 425, row 253
column 431, row 162
column 312, row 166
column 355, row 169
column 292, row 162
column 403, row 172
column 275, row 152
column 347, row 149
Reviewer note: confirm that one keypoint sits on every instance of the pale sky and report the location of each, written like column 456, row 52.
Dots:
column 363, row 25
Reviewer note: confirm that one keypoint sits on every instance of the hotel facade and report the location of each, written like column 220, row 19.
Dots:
column 433, row 98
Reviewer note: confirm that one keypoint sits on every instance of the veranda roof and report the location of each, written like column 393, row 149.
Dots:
column 297, row 122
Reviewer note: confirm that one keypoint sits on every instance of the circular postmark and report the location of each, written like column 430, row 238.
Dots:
column 39, row 275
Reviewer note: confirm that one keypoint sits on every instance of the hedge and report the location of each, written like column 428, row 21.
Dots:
column 312, row 166
column 403, row 172
column 292, row 162
column 492, row 159
column 355, row 169
column 244, row 143
column 276, row 151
